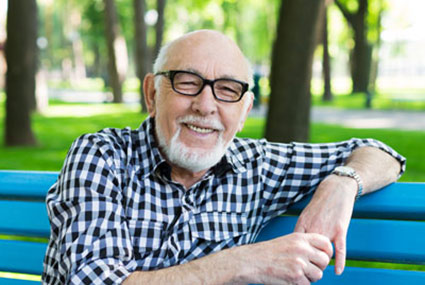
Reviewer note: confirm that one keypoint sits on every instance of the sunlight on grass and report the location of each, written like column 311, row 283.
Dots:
column 87, row 110
column 380, row 101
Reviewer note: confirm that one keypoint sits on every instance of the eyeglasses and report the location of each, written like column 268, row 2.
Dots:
column 191, row 84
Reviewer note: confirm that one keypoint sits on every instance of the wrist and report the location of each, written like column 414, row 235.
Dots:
column 349, row 172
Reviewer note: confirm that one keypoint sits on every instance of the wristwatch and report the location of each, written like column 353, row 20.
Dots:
column 350, row 172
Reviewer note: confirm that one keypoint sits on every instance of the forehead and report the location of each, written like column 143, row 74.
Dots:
column 210, row 55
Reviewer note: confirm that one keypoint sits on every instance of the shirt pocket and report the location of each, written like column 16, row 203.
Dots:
column 147, row 236
column 218, row 226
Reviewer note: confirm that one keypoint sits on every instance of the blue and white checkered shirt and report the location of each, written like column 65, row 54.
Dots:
column 115, row 209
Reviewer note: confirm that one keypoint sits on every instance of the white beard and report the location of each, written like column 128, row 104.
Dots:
column 192, row 159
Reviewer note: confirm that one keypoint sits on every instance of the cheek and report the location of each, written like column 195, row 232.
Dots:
column 231, row 123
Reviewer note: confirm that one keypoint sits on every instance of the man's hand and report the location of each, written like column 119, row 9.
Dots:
column 297, row 258
column 329, row 214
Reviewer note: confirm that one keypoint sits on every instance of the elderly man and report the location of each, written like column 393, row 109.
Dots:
column 180, row 200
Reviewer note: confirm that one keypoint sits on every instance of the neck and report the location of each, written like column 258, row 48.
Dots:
column 185, row 177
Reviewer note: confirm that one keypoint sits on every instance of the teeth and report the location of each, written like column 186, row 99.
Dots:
column 200, row 130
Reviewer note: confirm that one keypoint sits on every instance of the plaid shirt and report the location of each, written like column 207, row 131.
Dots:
column 115, row 208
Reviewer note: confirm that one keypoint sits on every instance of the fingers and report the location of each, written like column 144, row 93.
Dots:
column 322, row 243
column 340, row 254
column 313, row 273
column 319, row 257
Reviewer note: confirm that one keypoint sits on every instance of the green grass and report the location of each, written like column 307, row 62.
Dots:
column 409, row 143
column 381, row 101
column 58, row 128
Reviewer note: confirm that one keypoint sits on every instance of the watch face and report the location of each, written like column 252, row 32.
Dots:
column 345, row 170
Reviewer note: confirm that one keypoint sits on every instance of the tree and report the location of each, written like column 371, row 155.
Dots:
column 142, row 54
column 288, row 117
column 159, row 27
column 327, row 93
column 361, row 56
column 21, row 59
column 117, row 51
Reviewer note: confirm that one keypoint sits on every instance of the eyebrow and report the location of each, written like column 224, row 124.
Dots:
column 224, row 76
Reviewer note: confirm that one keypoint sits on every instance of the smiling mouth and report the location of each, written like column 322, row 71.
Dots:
column 200, row 130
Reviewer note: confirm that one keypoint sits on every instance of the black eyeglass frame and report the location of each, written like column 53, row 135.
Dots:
column 172, row 73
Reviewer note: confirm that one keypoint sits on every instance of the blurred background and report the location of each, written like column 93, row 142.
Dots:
column 323, row 70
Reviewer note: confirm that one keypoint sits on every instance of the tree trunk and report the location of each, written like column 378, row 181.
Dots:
column 159, row 27
column 142, row 54
column 361, row 55
column 375, row 53
column 288, row 118
column 21, row 58
column 117, row 51
column 327, row 94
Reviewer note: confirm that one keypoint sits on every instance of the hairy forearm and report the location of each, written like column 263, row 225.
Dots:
column 375, row 167
column 218, row 268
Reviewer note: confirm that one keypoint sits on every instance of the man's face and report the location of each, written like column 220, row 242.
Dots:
column 200, row 127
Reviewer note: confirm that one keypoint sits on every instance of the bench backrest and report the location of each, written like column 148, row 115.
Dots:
column 387, row 226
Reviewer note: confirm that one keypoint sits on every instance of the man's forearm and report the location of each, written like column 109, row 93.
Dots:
column 375, row 167
column 297, row 258
column 218, row 268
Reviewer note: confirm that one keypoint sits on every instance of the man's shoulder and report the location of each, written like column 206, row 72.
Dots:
column 111, row 136
column 247, row 147
column 110, row 140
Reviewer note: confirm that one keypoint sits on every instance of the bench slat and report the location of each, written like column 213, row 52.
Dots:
column 373, row 240
column 26, row 184
column 24, row 218
column 372, row 276
column 402, row 201
column 22, row 256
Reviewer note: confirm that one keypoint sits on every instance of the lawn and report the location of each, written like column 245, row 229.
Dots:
column 57, row 128
column 413, row 101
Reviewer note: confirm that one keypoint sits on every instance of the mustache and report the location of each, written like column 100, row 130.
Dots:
column 202, row 121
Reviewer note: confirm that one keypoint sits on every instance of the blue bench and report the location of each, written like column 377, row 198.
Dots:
column 387, row 226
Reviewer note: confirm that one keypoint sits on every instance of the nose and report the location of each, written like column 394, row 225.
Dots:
column 204, row 103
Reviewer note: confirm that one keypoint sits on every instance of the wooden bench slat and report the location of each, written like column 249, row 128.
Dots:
column 374, row 240
column 24, row 218
column 26, row 184
column 22, row 256
column 372, row 276
column 402, row 201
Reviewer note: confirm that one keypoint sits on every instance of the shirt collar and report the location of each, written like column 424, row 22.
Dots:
column 150, row 155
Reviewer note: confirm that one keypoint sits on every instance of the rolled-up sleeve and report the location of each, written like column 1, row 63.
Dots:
column 294, row 170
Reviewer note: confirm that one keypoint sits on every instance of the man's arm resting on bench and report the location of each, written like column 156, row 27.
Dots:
column 331, row 206
column 298, row 258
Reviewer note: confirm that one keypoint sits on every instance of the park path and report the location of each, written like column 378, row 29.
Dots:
column 365, row 119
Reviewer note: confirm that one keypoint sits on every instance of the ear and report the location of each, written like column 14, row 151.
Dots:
column 150, row 93
column 247, row 110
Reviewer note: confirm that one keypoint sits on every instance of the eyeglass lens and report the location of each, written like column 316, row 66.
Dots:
column 191, row 84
